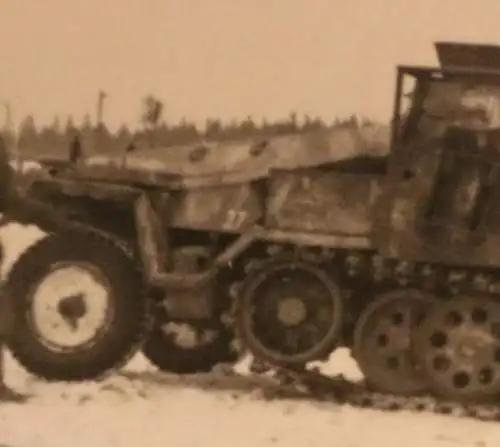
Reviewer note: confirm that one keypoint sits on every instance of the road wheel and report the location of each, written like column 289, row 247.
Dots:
column 79, row 306
column 458, row 348
column 383, row 341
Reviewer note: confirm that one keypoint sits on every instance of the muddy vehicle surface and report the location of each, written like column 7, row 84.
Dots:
column 388, row 244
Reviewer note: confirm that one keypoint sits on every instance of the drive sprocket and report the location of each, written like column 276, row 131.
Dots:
column 289, row 313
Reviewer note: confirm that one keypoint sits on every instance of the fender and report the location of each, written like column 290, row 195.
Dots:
column 104, row 206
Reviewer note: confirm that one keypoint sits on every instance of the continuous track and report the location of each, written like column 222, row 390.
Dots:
column 444, row 281
column 317, row 387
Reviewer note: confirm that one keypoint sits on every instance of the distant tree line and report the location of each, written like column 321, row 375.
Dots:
column 55, row 139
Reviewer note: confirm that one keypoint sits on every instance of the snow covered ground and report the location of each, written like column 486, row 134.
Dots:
column 142, row 407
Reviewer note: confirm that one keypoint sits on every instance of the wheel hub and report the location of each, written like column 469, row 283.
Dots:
column 468, row 346
column 466, row 350
column 291, row 311
column 70, row 306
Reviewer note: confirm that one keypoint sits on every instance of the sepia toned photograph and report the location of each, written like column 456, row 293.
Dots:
column 236, row 224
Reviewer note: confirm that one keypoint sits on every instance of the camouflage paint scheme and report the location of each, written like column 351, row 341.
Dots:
column 285, row 183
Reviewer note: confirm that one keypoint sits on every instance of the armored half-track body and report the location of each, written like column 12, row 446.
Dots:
column 384, row 240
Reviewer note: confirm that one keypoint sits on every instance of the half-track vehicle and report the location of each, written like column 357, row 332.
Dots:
column 387, row 243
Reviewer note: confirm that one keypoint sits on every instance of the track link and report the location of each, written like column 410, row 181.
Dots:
column 314, row 386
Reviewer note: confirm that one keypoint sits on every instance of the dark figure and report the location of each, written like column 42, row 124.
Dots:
column 76, row 151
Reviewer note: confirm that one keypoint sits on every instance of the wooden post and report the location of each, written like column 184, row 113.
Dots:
column 100, row 106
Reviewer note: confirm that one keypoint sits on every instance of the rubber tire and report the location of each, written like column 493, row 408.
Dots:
column 132, row 317
column 169, row 357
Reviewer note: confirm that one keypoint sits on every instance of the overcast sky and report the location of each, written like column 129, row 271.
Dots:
column 227, row 58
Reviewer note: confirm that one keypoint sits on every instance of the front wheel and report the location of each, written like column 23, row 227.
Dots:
column 79, row 307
